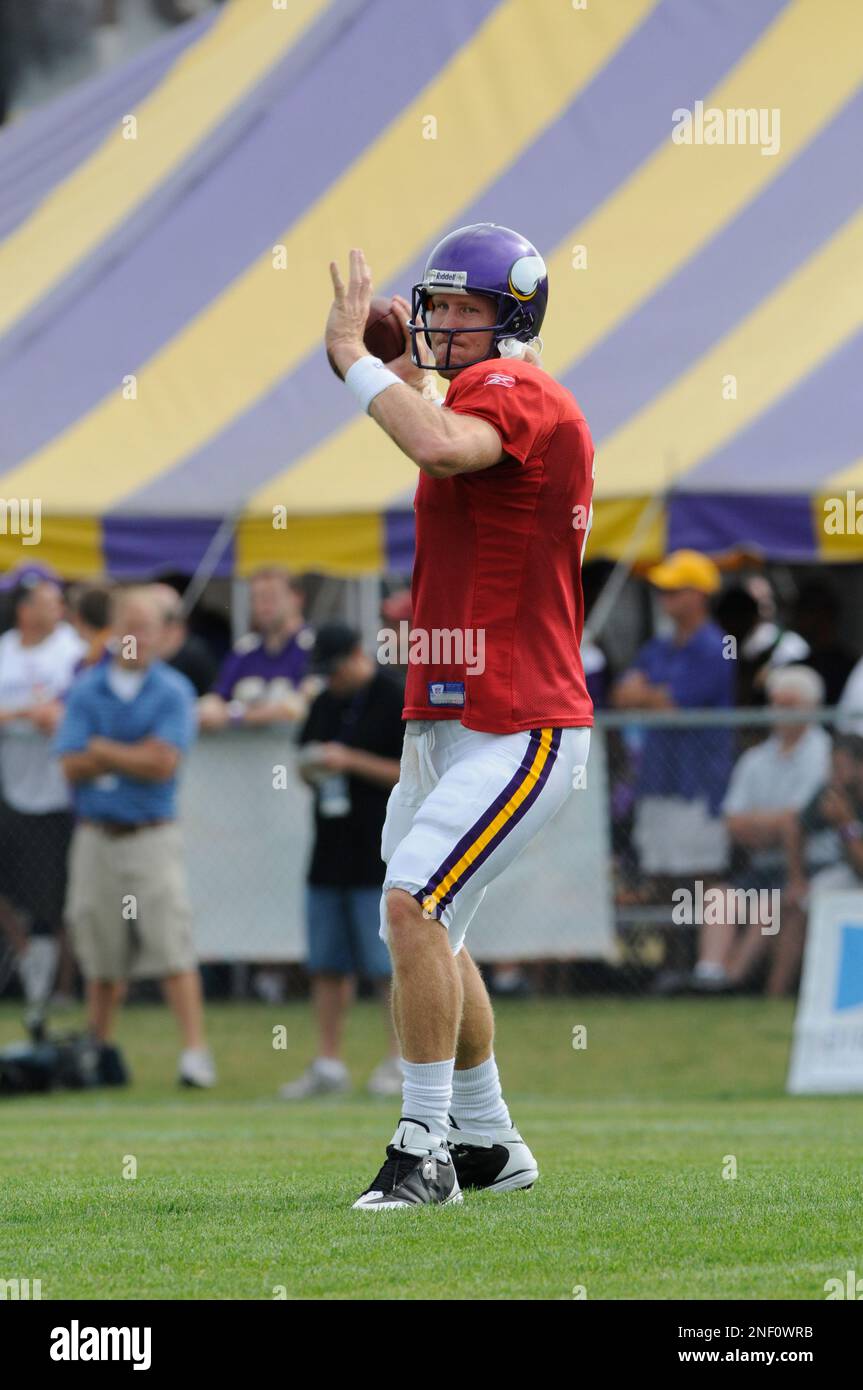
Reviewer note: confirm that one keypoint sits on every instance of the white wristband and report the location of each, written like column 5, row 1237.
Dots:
column 367, row 377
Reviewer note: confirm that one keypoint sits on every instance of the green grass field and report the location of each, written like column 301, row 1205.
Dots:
column 237, row 1193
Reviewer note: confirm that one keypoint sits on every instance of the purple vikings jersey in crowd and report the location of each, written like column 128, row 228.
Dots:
column 252, row 674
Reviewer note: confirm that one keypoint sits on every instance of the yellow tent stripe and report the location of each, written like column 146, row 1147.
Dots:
column 484, row 839
column 844, row 478
column 685, row 194
column 354, row 469
column 70, row 545
column 344, row 545
column 837, row 515
column 207, row 81
column 401, row 192
column 614, row 524
column 680, row 198
column 802, row 322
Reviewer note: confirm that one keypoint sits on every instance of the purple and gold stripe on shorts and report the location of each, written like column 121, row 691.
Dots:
column 503, row 815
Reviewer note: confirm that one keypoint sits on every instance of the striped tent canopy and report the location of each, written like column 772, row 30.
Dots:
column 167, row 230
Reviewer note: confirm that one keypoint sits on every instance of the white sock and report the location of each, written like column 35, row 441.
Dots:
column 426, row 1098
column 477, row 1099
column 37, row 967
column 709, row 970
column 330, row 1066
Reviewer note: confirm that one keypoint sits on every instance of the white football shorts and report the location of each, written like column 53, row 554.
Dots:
column 465, row 806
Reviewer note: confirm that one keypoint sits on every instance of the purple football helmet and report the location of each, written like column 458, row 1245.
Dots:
column 483, row 259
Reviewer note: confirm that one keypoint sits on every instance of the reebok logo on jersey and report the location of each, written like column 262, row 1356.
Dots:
column 446, row 692
column 499, row 379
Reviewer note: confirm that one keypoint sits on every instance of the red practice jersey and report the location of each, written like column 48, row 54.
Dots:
column 498, row 609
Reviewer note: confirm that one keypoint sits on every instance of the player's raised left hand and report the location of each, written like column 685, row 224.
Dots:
column 350, row 309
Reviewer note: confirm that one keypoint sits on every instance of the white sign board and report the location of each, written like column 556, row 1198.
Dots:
column 248, row 842
column 827, row 1052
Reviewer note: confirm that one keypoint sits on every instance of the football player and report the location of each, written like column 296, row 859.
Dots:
column 497, row 710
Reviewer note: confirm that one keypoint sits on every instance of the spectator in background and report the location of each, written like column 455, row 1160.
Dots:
column 816, row 618
column 350, row 753
column 593, row 657
column 769, row 638
column 396, row 608
column 37, row 660
column 770, row 784
column 762, row 645
column 850, row 706
column 14, row 582
column 262, row 681
column 683, row 772
column 595, row 671
column 180, row 648
column 825, row 852
column 851, row 702
column 90, row 615
column 127, row 725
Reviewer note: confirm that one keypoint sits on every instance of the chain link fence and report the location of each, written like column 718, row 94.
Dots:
column 675, row 824
column 722, row 824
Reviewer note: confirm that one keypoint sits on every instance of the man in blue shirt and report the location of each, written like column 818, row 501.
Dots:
column 127, row 724
column 683, row 773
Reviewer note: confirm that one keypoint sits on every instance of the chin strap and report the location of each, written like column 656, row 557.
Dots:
column 513, row 347
column 430, row 391
column 507, row 347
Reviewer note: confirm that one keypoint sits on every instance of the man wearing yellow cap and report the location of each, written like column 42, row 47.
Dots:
column 687, row 571
column 683, row 772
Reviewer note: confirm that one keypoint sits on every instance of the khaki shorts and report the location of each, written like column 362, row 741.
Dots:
column 127, row 907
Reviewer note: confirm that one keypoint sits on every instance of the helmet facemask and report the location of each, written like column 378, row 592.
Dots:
column 516, row 324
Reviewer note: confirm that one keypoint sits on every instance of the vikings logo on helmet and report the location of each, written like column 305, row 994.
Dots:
column 526, row 275
column 483, row 259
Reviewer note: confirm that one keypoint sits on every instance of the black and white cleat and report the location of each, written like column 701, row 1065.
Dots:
column 411, row 1179
column 497, row 1160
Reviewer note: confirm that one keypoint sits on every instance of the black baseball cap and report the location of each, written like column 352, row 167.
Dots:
column 333, row 642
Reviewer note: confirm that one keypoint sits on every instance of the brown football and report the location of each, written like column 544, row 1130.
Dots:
column 383, row 336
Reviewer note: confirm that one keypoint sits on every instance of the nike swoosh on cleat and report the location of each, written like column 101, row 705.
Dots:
column 509, row 1176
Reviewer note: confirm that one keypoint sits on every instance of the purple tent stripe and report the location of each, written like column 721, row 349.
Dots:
column 807, row 434
column 42, row 149
column 166, row 264
column 779, row 525
column 488, row 816
column 399, row 541
column 725, row 280
column 593, row 148
column 147, row 546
